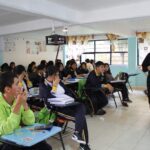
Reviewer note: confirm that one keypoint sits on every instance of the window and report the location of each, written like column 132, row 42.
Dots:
column 112, row 52
column 120, row 54
column 86, row 56
column 89, row 47
column 102, row 57
column 102, row 46
column 120, row 58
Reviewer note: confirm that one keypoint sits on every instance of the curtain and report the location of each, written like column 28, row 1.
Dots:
column 81, row 40
column 112, row 38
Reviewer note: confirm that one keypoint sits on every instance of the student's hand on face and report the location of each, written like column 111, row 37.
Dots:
column 24, row 97
column 148, row 68
column 56, row 81
column 21, row 97
column 26, row 76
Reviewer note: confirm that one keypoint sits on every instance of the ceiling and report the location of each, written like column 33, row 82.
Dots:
column 88, row 5
column 122, row 27
column 123, row 17
column 9, row 17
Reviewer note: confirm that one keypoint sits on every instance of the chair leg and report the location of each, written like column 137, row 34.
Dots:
column 113, row 96
column 62, row 142
column 91, row 104
column 130, row 86
column 64, row 130
column 119, row 96
column 92, row 107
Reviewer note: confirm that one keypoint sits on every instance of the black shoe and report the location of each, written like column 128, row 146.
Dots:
column 101, row 112
column 124, row 104
column 76, row 137
column 84, row 147
column 128, row 100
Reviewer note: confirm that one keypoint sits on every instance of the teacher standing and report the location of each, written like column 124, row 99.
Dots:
column 146, row 68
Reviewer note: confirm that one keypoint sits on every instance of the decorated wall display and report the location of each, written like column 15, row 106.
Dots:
column 35, row 47
column 7, row 45
column 10, row 46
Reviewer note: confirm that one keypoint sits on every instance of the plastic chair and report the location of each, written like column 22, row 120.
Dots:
column 83, row 95
column 125, row 76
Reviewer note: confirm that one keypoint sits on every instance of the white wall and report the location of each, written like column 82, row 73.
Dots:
column 19, row 56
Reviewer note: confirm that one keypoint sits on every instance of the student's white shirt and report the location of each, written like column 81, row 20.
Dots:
column 60, row 92
column 60, row 97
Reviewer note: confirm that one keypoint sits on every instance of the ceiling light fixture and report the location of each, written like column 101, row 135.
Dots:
column 53, row 27
column 65, row 30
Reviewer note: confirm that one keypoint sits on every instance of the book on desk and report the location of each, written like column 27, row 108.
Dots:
column 61, row 99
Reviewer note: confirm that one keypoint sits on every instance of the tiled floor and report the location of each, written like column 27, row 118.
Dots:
column 120, row 129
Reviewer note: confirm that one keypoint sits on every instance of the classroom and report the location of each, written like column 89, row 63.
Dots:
column 76, row 71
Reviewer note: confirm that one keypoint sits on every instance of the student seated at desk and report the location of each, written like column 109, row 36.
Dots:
column 5, row 67
column 120, row 85
column 73, row 70
column 31, row 67
column 53, row 88
column 37, row 76
column 12, row 66
column 62, row 75
column 14, row 110
column 82, row 69
column 22, row 75
column 95, row 85
column 89, row 65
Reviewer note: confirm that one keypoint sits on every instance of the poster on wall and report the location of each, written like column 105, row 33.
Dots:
column 10, row 46
column 35, row 47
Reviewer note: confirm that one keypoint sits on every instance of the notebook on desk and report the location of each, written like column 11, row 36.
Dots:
column 72, row 80
column 61, row 99
column 118, row 81
column 27, row 137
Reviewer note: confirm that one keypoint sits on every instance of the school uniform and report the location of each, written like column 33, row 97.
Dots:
column 94, row 89
column 10, row 121
column 76, row 113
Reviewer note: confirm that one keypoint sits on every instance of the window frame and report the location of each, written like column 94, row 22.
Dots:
column 104, row 52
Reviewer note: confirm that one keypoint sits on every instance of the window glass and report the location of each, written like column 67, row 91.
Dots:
column 104, row 57
column 102, row 46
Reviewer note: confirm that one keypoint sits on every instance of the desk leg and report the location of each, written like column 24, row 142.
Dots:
column 61, row 139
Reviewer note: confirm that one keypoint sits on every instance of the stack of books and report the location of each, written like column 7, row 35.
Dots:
column 61, row 99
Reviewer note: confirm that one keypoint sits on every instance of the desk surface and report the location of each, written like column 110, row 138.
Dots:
column 71, row 81
column 27, row 137
column 133, row 74
column 118, row 81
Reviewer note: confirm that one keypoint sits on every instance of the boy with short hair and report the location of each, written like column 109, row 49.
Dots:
column 14, row 110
